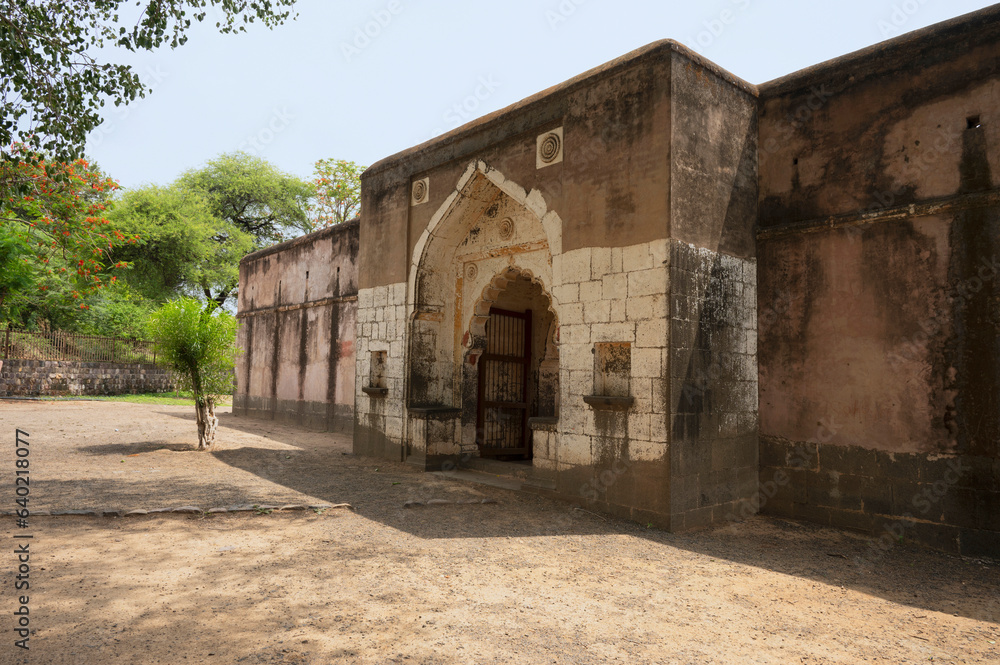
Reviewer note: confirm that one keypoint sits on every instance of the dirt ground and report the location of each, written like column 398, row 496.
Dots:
column 523, row 580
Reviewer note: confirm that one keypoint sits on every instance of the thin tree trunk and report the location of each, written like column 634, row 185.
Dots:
column 207, row 422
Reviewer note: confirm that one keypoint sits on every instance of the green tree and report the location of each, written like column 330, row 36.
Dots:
column 17, row 276
column 252, row 195
column 199, row 344
column 119, row 311
column 184, row 249
column 52, row 86
column 337, row 183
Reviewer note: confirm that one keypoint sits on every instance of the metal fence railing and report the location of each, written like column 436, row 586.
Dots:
column 22, row 345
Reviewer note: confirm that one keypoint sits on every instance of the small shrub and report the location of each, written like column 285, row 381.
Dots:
column 199, row 344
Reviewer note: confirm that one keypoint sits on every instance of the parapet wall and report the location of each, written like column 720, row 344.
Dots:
column 297, row 312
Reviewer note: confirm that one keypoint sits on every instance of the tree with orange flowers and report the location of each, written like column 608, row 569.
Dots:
column 337, row 183
column 56, row 212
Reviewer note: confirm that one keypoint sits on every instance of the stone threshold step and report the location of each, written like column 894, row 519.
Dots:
column 518, row 484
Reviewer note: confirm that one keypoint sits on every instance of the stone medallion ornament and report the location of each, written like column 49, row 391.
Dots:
column 506, row 228
column 549, row 148
column 420, row 191
column 471, row 271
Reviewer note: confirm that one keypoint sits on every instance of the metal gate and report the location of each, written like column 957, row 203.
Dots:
column 504, row 368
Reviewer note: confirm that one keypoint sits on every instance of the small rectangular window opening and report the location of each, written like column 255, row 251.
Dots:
column 972, row 122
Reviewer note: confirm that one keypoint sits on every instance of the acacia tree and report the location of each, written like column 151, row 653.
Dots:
column 52, row 87
column 252, row 194
column 199, row 344
column 337, row 183
column 184, row 249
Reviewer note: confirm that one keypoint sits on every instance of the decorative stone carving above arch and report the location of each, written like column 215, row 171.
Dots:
column 487, row 232
column 491, row 292
column 479, row 180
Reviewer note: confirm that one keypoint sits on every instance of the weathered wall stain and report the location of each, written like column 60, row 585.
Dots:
column 879, row 217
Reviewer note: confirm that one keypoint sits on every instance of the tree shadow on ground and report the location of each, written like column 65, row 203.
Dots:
column 147, row 492
column 128, row 449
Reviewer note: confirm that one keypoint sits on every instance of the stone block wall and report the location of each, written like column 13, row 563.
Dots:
column 859, row 197
column 713, row 385
column 26, row 378
column 615, row 454
column 879, row 255
column 951, row 503
column 380, row 416
column 659, row 144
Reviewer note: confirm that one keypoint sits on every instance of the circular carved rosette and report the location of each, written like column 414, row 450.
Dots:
column 506, row 228
column 419, row 191
column 549, row 148
column 471, row 271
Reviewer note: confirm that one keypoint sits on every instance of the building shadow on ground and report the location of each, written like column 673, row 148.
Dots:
column 382, row 490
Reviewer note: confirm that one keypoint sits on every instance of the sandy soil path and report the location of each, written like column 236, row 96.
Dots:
column 523, row 580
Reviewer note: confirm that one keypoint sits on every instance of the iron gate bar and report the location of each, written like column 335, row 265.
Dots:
column 508, row 342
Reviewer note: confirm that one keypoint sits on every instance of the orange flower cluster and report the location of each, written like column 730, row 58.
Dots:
column 62, row 210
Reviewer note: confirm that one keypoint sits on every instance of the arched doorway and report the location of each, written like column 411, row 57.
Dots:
column 485, row 254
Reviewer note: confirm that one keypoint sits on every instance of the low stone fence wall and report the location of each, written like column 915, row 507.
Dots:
column 25, row 378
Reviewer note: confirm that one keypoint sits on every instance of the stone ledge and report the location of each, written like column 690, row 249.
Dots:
column 543, row 423
column 609, row 402
column 434, row 412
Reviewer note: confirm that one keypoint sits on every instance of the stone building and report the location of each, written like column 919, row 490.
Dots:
column 676, row 296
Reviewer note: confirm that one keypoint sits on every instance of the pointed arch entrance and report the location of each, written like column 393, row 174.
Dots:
column 483, row 332
column 518, row 371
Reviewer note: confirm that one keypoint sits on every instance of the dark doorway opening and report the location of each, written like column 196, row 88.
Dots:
column 505, row 387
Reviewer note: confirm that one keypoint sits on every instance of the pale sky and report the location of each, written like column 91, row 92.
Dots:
column 362, row 80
